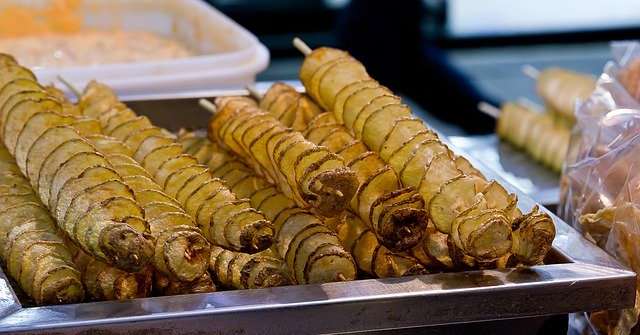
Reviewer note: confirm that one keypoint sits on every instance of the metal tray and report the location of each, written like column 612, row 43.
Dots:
column 515, row 166
column 580, row 277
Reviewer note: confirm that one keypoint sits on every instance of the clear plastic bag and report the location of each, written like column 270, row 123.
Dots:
column 600, row 184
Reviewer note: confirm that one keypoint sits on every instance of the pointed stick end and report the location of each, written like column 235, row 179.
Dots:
column 253, row 92
column 489, row 109
column 301, row 46
column 70, row 86
column 530, row 71
column 208, row 105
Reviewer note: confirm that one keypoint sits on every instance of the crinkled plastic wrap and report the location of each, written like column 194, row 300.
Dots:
column 600, row 184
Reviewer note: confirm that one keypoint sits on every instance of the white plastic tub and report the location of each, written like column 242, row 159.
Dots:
column 228, row 55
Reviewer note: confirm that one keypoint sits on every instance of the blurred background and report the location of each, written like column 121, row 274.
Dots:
column 476, row 48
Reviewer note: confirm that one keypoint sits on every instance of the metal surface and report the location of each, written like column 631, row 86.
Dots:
column 515, row 166
column 580, row 277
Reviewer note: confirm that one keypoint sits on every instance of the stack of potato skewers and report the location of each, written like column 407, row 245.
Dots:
column 137, row 213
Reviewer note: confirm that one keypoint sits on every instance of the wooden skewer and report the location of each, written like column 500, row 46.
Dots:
column 530, row 71
column 489, row 109
column 253, row 91
column 301, row 46
column 208, row 105
column 530, row 104
column 70, row 86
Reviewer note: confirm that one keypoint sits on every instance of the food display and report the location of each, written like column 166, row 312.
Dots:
column 539, row 134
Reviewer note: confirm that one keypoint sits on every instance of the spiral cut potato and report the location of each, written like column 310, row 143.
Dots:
column 292, row 109
column 476, row 214
column 33, row 250
column 181, row 252
column 247, row 271
column 224, row 219
column 370, row 256
column 396, row 214
column 561, row 89
column 105, row 282
column 70, row 177
column 162, row 285
column 309, row 174
column 537, row 133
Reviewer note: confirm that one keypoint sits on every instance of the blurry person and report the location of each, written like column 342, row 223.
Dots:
column 386, row 36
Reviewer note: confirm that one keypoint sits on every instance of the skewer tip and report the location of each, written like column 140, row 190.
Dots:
column 70, row 86
column 208, row 105
column 530, row 71
column 253, row 92
column 301, row 46
column 489, row 109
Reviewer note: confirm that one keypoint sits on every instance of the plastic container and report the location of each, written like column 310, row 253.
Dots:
column 229, row 56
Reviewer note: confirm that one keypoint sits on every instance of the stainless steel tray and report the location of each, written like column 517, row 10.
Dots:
column 581, row 277
column 515, row 166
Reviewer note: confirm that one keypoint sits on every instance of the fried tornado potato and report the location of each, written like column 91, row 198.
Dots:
column 561, row 89
column 239, row 270
column 181, row 251
column 532, row 237
column 105, row 282
column 311, row 175
column 396, row 214
column 33, row 250
column 378, row 118
column 72, row 179
column 539, row 134
column 372, row 257
column 162, row 285
column 223, row 218
column 313, row 253
column 289, row 107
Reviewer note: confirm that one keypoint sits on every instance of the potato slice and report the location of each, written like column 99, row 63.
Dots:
column 13, row 72
column 337, row 77
column 200, row 194
column 126, row 128
column 140, row 182
column 145, row 197
column 44, row 146
column 401, row 130
column 380, row 123
column 191, row 184
column 345, row 92
column 16, row 86
column 156, row 157
column 454, row 196
column 20, row 114
column 485, row 236
column 72, row 168
column 377, row 184
column 416, row 167
column 337, row 141
column 273, row 93
column 36, row 126
column 17, row 97
column 314, row 60
column 87, row 126
column 463, row 165
column 54, row 160
column 353, row 151
column 154, row 209
column 177, row 180
column 109, row 145
column 150, row 144
column 440, row 171
column 399, row 158
column 118, row 159
column 314, row 84
column 125, row 170
column 134, row 139
column 117, row 208
column 117, row 120
column 358, row 100
column 172, row 165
